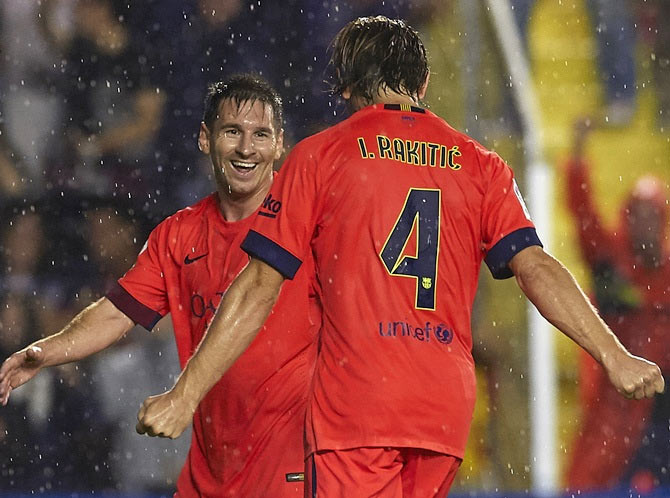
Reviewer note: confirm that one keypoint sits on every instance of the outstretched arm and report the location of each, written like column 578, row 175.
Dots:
column 92, row 330
column 557, row 296
column 241, row 314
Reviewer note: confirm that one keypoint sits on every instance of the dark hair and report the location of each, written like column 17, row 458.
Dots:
column 242, row 88
column 372, row 53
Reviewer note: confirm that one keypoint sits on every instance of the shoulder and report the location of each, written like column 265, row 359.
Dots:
column 463, row 139
column 186, row 220
column 480, row 159
column 308, row 146
column 488, row 161
column 326, row 144
column 195, row 211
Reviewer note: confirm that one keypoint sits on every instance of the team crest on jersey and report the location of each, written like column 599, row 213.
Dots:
column 426, row 282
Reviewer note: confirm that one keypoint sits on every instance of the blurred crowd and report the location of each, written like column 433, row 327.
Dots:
column 100, row 105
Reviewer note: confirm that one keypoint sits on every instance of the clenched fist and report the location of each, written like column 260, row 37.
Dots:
column 634, row 377
column 165, row 415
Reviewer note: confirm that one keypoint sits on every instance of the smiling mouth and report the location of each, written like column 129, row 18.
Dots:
column 243, row 167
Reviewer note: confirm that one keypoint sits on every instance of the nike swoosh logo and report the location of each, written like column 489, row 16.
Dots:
column 188, row 261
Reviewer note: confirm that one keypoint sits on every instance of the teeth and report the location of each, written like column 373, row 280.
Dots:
column 238, row 164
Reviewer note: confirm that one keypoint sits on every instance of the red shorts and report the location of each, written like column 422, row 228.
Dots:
column 379, row 472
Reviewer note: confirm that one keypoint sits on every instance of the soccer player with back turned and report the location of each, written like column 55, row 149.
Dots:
column 248, row 431
column 399, row 210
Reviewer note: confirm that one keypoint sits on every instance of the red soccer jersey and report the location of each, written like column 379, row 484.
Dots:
column 399, row 210
column 248, row 430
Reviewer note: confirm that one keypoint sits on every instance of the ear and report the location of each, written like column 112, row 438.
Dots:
column 424, row 87
column 203, row 138
column 280, row 145
column 346, row 93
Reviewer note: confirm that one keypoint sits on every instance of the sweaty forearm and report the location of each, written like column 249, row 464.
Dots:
column 92, row 330
column 558, row 297
column 241, row 314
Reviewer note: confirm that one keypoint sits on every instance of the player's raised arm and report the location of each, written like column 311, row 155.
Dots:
column 241, row 314
column 557, row 296
column 92, row 330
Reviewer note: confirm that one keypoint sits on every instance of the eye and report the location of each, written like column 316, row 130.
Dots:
column 262, row 134
column 230, row 132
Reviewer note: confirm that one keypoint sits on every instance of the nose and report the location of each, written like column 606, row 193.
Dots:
column 245, row 146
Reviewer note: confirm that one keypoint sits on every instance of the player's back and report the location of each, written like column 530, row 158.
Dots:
column 406, row 209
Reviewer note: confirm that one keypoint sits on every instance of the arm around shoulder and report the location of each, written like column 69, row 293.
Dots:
column 557, row 296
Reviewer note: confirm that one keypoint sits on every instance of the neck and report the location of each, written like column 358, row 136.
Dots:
column 238, row 207
column 384, row 96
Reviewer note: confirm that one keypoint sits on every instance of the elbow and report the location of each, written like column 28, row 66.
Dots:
column 534, row 267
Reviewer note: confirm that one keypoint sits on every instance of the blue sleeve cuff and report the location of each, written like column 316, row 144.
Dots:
column 260, row 247
column 500, row 254
column 132, row 308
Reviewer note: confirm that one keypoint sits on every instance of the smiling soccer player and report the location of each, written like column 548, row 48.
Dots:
column 248, row 431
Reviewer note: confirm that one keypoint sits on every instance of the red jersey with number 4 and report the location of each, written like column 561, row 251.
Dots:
column 399, row 210
column 248, row 431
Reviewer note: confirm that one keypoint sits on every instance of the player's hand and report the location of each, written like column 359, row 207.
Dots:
column 634, row 377
column 165, row 415
column 18, row 369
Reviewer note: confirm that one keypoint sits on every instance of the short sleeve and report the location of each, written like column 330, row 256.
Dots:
column 285, row 223
column 141, row 293
column 507, row 228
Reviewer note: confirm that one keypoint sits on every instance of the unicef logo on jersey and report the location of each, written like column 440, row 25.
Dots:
column 444, row 334
column 423, row 333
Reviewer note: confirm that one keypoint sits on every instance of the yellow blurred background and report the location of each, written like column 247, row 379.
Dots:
column 562, row 52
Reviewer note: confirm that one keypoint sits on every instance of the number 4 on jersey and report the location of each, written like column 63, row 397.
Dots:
column 421, row 213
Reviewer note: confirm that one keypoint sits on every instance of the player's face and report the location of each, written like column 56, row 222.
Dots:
column 243, row 145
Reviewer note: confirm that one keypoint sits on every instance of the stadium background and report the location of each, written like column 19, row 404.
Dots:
column 71, row 431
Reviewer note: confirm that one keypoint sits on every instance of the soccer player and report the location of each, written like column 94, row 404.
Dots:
column 248, row 431
column 399, row 210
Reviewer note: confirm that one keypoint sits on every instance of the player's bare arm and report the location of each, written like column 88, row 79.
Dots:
column 92, row 330
column 241, row 314
column 558, row 297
